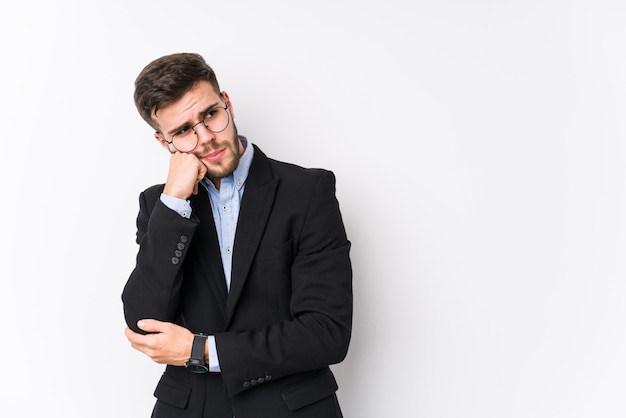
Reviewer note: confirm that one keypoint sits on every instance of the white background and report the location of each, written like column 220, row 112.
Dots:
column 479, row 153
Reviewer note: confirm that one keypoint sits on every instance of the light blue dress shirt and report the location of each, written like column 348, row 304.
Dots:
column 225, row 204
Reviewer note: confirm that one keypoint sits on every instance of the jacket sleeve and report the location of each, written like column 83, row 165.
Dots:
column 152, row 290
column 321, row 305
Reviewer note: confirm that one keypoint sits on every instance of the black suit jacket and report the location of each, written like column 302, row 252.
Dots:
column 288, row 314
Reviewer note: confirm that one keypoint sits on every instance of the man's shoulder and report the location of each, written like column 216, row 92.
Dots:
column 285, row 171
column 288, row 169
column 298, row 180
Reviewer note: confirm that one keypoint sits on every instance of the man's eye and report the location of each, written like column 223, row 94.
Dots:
column 210, row 114
column 183, row 131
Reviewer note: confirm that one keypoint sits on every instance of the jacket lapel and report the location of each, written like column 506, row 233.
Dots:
column 255, row 209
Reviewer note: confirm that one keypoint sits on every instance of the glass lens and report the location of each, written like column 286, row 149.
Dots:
column 185, row 141
column 217, row 120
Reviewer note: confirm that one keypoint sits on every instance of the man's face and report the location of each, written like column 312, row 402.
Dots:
column 220, row 152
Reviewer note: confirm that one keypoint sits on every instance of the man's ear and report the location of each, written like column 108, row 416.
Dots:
column 164, row 143
column 229, row 104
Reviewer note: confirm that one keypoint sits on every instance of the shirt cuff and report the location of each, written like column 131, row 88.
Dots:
column 214, row 362
column 181, row 206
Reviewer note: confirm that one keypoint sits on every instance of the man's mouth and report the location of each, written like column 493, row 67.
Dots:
column 214, row 156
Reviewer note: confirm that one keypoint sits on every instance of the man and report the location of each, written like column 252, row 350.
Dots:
column 243, row 281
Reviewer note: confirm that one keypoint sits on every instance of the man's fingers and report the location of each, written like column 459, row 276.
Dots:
column 129, row 333
column 151, row 325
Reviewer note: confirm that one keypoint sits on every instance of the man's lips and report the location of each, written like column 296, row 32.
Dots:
column 214, row 156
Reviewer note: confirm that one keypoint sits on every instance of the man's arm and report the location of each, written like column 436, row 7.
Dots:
column 164, row 236
column 164, row 343
column 153, row 288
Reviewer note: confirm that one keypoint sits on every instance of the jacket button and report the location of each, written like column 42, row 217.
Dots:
column 246, row 384
column 180, row 246
column 175, row 260
column 184, row 238
column 268, row 377
column 253, row 382
column 178, row 253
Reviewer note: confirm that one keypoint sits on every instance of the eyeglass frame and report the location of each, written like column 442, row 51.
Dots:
column 201, row 121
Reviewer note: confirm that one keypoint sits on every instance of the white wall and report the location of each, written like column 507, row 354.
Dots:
column 479, row 151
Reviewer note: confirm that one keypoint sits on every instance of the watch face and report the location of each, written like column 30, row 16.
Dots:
column 197, row 367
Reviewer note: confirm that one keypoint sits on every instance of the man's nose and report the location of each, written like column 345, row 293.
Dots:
column 203, row 133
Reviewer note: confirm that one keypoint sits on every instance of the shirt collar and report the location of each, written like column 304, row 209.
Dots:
column 241, row 172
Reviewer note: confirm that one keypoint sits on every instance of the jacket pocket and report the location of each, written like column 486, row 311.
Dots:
column 173, row 393
column 309, row 390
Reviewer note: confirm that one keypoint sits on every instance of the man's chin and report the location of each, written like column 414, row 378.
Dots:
column 216, row 173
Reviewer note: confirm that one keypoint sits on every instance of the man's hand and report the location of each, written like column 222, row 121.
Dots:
column 171, row 343
column 185, row 171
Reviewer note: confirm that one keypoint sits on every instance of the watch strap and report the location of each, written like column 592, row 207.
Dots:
column 197, row 347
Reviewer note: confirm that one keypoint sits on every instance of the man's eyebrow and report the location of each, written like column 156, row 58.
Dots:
column 190, row 123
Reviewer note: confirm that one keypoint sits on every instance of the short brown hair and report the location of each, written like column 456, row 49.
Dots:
column 167, row 79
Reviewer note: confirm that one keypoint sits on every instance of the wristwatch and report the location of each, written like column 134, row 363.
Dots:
column 196, row 363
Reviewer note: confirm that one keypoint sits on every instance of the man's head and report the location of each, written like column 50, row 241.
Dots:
column 166, row 79
column 178, row 95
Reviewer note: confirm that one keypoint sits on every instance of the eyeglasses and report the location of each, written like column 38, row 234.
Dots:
column 215, row 120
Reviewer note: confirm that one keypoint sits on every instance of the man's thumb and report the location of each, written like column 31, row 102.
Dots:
column 148, row 325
